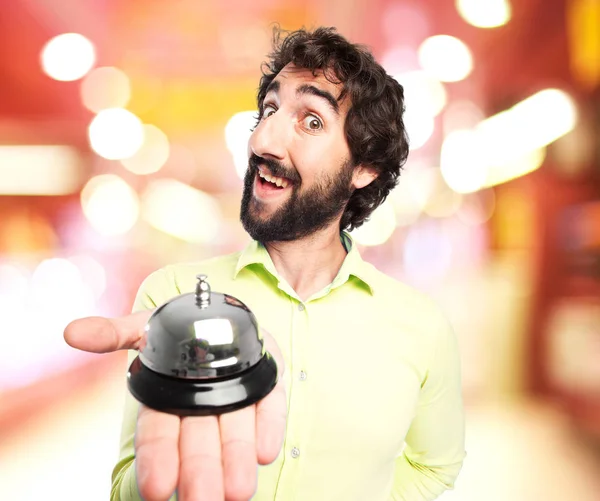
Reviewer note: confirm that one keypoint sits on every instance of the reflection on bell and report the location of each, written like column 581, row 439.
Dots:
column 203, row 355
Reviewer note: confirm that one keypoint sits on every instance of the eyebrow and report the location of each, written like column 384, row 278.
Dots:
column 311, row 90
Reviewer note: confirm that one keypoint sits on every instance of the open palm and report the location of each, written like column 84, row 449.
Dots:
column 207, row 458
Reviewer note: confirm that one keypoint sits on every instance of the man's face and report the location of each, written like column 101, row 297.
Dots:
column 299, row 177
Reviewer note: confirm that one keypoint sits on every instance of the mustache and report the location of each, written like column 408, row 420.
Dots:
column 276, row 168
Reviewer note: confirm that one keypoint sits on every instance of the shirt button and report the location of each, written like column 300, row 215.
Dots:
column 295, row 452
column 300, row 307
column 302, row 376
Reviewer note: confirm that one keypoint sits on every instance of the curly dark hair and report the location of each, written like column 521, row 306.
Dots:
column 374, row 125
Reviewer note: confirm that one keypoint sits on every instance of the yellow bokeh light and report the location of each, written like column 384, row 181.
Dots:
column 423, row 93
column 446, row 57
column 379, row 228
column 153, row 153
column 104, row 88
column 68, row 57
column 532, row 123
column 405, row 197
column 116, row 134
column 509, row 144
column 110, row 204
column 182, row 211
column 485, row 13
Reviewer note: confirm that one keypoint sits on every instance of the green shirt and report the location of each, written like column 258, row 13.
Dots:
column 372, row 376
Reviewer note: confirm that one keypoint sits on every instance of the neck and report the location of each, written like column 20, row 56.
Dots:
column 311, row 263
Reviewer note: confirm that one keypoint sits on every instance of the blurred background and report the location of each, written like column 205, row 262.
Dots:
column 123, row 131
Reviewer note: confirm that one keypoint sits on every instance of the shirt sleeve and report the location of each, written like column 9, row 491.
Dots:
column 155, row 290
column 435, row 442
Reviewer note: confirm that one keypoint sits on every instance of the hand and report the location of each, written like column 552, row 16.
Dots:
column 207, row 458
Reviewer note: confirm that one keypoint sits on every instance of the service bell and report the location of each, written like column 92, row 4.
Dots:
column 203, row 354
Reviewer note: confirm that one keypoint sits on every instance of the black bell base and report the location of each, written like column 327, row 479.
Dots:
column 197, row 397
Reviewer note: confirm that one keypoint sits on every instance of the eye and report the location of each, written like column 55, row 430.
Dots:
column 311, row 122
column 268, row 110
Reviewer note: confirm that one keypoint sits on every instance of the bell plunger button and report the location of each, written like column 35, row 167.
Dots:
column 203, row 355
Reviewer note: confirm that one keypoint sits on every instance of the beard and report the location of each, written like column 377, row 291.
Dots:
column 303, row 213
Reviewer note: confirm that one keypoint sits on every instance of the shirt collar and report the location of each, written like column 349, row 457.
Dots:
column 353, row 265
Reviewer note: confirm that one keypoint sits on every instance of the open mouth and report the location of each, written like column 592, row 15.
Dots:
column 270, row 182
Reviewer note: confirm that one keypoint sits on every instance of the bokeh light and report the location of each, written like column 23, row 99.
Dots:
column 507, row 145
column 39, row 169
column 446, row 57
column 110, row 204
column 404, row 198
column 237, row 134
column 153, row 153
column 423, row 93
column 419, row 127
column 116, row 134
column 379, row 228
column 182, row 211
column 461, row 114
column 431, row 192
column 477, row 208
column 461, row 161
column 485, row 13
column 532, row 123
column 13, row 285
column 68, row 57
column 106, row 87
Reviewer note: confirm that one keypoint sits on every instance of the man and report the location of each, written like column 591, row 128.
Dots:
column 369, row 407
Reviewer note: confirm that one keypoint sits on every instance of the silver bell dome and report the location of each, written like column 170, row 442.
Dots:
column 202, row 353
column 201, row 335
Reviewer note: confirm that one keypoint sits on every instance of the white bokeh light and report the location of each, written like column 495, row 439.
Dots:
column 485, row 13
column 237, row 134
column 423, row 92
column 116, row 133
column 110, row 204
column 68, row 57
column 419, row 127
column 446, row 57
column 462, row 162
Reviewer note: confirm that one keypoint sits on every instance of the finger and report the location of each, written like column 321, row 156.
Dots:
column 238, row 448
column 271, row 416
column 102, row 335
column 157, row 454
column 201, row 472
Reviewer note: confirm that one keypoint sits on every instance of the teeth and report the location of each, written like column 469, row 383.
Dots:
column 273, row 179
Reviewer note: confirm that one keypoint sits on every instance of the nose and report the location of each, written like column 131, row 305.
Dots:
column 269, row 139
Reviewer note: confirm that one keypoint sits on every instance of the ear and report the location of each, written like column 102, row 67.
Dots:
column 363, row 176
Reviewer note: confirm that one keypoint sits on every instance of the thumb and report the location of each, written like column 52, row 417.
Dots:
column 103, row 335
